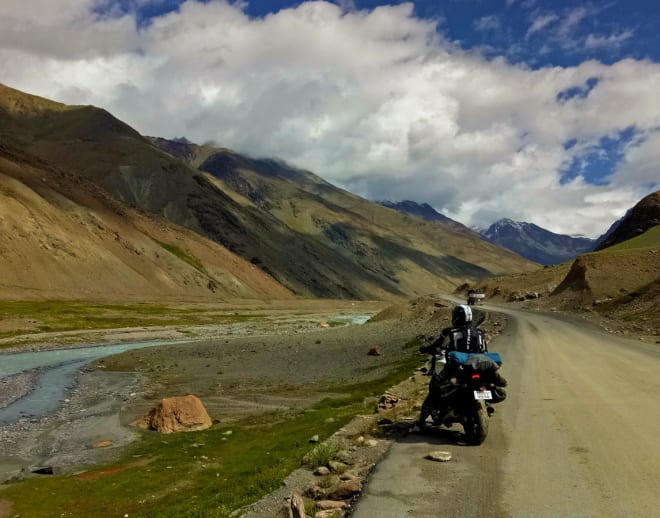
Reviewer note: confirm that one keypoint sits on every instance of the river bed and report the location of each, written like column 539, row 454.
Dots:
column 40, row 380
column 54, row 373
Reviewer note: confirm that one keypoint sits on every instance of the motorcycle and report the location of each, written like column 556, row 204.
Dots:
column 465, row 391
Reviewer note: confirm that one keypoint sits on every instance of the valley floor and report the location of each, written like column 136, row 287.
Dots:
column 288, row 358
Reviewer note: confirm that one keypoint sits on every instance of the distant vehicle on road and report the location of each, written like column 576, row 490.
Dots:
column 475, row 296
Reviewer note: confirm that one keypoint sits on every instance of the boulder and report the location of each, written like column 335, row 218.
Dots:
column 177, row 414
column 326, row 505
column 345, row 489
column 439, row 456
column 295, row 507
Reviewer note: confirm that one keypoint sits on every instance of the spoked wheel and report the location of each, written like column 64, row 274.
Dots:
column 476, row 425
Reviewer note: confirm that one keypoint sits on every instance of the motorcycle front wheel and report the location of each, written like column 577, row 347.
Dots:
column 476, row 424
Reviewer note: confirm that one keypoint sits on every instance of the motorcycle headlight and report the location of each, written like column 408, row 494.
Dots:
column 453, row 381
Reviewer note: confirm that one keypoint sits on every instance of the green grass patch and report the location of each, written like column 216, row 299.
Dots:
column 649, row 239
column 184, row 256
column 336, row 323
column 57, row 316
column 200, row 474
column 320, row 455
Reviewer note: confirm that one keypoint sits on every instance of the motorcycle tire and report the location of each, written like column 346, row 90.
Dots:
column 476, row 425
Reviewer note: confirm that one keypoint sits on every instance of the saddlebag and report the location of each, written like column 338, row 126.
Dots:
column 479, row 362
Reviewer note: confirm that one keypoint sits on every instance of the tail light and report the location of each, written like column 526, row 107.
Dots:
column 476, row 376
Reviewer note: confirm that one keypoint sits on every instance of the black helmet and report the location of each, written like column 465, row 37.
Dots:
column 461, row 316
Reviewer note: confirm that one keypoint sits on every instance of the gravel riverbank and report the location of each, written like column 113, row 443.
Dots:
column 240, row 370
column 16, row 386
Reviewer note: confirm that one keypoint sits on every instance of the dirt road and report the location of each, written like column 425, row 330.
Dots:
column 578, row 435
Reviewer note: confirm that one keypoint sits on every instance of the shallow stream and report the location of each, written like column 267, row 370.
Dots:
column 57, row 370
column 57, row 374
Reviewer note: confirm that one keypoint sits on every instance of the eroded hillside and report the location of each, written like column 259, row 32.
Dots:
column 65, row 238
column 298, row 231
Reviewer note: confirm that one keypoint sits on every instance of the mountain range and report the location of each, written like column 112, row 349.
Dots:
column 525, row 239
column 535, row 243
column 91, row 209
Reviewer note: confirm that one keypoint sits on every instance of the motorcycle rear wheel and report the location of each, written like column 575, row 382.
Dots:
column 476, row 425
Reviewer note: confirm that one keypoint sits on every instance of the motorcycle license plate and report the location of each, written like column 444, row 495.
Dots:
column 482, row 394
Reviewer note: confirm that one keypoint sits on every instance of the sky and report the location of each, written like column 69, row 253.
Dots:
column 545, row 111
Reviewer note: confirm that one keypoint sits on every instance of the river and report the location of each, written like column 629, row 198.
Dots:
column 57, row 371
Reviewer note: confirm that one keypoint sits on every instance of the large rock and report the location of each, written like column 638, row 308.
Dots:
column 177, row 414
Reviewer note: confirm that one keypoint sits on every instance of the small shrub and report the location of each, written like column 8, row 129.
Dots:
column 320, row 455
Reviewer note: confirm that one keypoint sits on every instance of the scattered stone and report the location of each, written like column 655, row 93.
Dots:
column 324, row 324
column 337, row 467
column 345, row 489
column 103, row 444
column 371, row 443
column 329, row 513
column 344, row 456
column 295, row 507
column 48, row 470
column 375, row 351
column 322, row 471
column 347, row 475
column 314, row 439
column 439, row 456
column 325, row 505
column 314, row 492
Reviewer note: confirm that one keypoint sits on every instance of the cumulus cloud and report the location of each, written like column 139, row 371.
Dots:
column 376, row 101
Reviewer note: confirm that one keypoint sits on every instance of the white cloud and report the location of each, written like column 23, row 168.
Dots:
column 374, row 101
column 642, row 163
column 594, row 41
column 571, row 21
column 486, row 23
column 541, row 22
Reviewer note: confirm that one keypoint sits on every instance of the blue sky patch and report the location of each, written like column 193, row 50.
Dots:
column 597, row 163
column 536, row 33
column 144, row 12
column 578, row 91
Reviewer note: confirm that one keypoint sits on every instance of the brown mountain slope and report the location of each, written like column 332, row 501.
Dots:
column 309, row 236
column 404, row 249
column 64, row 238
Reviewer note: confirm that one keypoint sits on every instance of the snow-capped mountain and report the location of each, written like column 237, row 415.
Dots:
column 536, row 243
